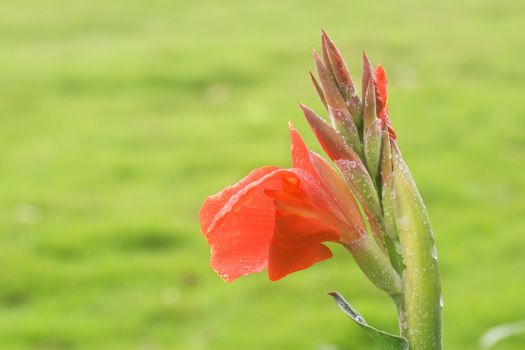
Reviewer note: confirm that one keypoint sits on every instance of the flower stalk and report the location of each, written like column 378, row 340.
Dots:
column 380, row 179
column 421, row 307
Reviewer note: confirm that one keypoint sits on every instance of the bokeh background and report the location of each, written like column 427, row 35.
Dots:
column 117, row 119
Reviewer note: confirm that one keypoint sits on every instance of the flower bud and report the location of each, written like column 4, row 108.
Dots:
column 371, row 124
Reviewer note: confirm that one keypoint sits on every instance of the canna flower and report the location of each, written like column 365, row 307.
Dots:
column 278, row 219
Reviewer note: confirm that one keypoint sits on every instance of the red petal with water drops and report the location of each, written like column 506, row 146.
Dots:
column 214, row 203
column 240, row 232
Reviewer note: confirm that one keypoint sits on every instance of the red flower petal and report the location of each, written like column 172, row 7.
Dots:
column 380, row 83
column 334, row 185
column 300, row 153
column 240, row 232
column 296, row 244
column 214, row 203
column 300, row 229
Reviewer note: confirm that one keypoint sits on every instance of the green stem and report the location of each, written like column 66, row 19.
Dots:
column 421, row 304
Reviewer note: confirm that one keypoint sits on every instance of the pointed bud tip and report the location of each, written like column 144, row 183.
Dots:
column 310, row 115
column 305, row 108
column 366, row 62
column 324, row 36
column 328, row 40
column 306, row 111
column 315, row 55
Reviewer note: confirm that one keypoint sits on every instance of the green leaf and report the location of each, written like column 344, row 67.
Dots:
column 385, row 341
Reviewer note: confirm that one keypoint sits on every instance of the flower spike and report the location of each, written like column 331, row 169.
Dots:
column 279, row 219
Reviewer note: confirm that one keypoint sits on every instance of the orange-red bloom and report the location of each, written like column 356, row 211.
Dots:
column 381, row 100
column 278, row 219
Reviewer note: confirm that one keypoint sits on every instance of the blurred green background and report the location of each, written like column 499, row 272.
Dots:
column 117, row 119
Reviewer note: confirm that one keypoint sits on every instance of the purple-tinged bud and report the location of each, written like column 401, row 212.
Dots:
column 329, row 86
column 333, row 143
column 318, row 90
column 334, row 59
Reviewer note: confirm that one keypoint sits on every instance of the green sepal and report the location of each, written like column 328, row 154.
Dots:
column 387, row 201
column 376, row 265
column 357, row 176
column 384, row 340
column 389, row 219
column 372, row 149
column 344, row 123
column 359, row 180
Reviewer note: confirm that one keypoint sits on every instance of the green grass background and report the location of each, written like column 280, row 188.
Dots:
column 117, row 119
